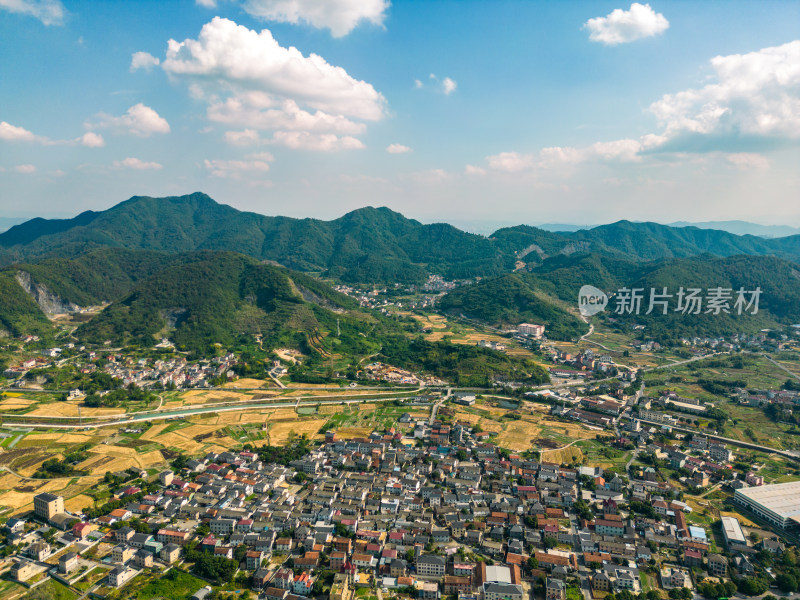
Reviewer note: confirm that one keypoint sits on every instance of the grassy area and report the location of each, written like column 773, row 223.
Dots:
column 574, row 593
column 599, row 454
column 174, row 584
column 55, row 591
column 10, row 589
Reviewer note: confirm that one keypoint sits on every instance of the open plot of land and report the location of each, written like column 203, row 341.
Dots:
column 203, row 397
column 279, row 432
column 78, row 503
column 562, row 455
column 54, row 439
column 17, row 494
column 349, row 433
column 118, row 458
column 70, row 409
column 13, row 403
column 245, row 383
column 518, row 436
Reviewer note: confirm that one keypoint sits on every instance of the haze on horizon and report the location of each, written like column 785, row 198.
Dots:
column 465, row 112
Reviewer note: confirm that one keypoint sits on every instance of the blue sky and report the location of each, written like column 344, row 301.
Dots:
column 470, row 112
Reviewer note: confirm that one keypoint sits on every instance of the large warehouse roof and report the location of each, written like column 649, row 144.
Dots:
column 781, row 498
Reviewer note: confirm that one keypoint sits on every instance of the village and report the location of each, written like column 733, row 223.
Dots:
column 431, row 508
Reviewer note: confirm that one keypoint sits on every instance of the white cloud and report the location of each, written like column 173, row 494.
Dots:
column 418, row 84
column 755, row 95
column 135, row 163
column 622, row 26
column 473, row 170
column 748, row 161
column 326, row 142
column 139, row 120
column 143, row 60
column 340, row 16
column 207, row 3
column 261, row 111
column 510, row 162
column 256, row 163
column 12, row 133
column 447, row 85
column 397, row 149
column 25, row 169
column 240, row 59
column 49, row 12
column 248, row 137
column 92, row 140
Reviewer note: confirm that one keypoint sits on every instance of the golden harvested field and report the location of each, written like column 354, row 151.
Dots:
column 70, row 409
column 518, row 436
column 572, row 430
column 152, row 433
column 78, row 503
column 562, row 455
column 202, row 397
column 17, row 493
column 349, row 433
column 246, row 383
column 438, row 336
column 330, row 409
column 235, row 417
column 279, row 432
column 118, row 458
column 54, row 439
column 12, row 403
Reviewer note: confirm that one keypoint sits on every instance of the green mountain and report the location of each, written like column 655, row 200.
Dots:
column 209, row 297
column 369, row 245
column 366, row 245
column 511, row 299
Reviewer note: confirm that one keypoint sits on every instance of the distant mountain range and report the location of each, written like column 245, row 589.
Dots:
column 374, row 245
column 202, row 271
column 735, row 227
column 8, row 222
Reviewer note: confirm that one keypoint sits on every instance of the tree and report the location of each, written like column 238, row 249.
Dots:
column 786, row 582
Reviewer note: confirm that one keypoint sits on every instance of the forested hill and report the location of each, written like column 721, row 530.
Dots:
column 368, row 245
column 509, row 300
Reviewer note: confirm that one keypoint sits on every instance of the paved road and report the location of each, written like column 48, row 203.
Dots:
column 137, row 418
column 795, row 455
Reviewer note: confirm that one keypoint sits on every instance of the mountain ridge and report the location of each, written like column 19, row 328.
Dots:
column 365, row 245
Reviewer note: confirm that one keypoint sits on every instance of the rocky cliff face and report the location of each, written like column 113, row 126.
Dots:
column 47, row 300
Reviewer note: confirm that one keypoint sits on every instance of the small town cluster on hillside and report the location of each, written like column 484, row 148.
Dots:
column 429, row 510
column 142, row 372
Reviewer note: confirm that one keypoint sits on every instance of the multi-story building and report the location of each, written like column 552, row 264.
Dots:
column 46, row 505
column 555, row 589
column 506, row 591
column 430, row 565
column 717, row 565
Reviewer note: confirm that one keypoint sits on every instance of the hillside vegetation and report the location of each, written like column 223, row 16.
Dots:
column 368, row 245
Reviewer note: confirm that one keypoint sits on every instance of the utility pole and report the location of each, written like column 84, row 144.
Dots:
column 338, row 331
